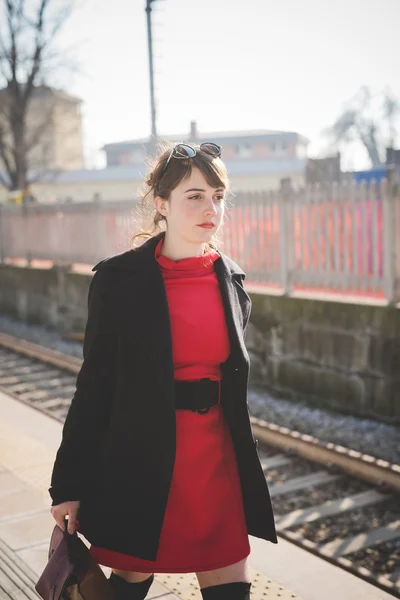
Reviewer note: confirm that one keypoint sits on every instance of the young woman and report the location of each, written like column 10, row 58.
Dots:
column 157, row 459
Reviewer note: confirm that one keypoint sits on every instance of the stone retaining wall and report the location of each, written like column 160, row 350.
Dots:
column 329, row 354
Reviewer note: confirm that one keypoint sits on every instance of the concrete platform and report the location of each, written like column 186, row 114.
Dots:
column 28, row 443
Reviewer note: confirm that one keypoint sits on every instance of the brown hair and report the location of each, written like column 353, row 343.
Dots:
column 158, row 183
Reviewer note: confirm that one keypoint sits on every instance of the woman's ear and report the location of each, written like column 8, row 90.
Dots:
column 160, row 205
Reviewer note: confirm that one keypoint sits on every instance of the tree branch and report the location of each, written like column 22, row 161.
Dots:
column 25, row 45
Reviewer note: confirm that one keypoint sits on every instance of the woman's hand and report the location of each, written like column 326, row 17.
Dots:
column 69, row 508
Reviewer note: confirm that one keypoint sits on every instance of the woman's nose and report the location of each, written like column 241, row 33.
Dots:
column 211, row 207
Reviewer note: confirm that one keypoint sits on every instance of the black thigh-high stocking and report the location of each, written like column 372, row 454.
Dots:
column 126, row 590
column 238, row 590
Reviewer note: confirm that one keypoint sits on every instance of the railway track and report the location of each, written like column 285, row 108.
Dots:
column 335, row 502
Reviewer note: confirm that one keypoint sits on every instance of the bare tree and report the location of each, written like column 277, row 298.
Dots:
column 359, row 123
column 27, row 46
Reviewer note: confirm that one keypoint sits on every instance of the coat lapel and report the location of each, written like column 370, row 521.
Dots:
column 229, row 288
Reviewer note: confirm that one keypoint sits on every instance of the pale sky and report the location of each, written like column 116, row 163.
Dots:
column 229, row 65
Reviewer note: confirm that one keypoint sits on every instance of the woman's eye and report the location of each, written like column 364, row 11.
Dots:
column 221, row 198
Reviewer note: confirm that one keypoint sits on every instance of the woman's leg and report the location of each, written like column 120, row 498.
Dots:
column 231, row 583
column 130, row 585
column 132, row 576
column 239, row 571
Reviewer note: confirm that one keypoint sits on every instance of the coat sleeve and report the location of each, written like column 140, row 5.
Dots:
column 88, row 415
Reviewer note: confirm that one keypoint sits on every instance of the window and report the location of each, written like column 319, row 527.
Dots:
column 244, row 150
column 279, row 147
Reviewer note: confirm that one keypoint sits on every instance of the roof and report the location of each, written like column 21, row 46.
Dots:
column 42, row 90
column 216, row 136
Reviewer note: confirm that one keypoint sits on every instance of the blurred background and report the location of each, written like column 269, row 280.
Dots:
column 304, row 98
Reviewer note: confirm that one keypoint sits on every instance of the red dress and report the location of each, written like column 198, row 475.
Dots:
column 204, row 526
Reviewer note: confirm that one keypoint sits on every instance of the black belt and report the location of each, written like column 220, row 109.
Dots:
column 198, row 396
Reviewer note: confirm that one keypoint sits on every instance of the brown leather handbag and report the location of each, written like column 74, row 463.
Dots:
column 71, row 572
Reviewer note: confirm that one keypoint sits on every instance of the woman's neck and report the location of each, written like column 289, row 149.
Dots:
column 175, row 251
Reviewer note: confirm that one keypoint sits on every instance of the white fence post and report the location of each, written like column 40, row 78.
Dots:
column 390, row 268
column 284, row 234
column 394, row 194
column 26, row 219
column 2, row 243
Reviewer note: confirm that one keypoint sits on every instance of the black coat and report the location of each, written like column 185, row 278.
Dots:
column 118, row 447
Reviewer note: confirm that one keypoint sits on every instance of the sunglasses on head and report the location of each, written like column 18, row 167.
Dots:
column 184, row 151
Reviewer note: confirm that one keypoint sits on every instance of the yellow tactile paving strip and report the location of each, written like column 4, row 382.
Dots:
column 186, row 587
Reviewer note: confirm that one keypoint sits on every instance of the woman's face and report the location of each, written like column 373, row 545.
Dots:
column 192, row 203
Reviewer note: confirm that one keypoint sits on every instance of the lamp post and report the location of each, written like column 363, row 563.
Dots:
column 153, row 137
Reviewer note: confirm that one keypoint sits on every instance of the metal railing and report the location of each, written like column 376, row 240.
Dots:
column 338, row 237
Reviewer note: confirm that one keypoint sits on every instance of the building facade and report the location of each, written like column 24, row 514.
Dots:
column 238, row 146
column 53, row 131
column 256, row 160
